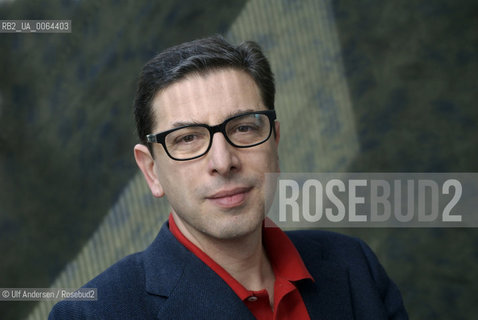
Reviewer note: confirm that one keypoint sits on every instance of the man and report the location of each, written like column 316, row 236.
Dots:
column 205, row 117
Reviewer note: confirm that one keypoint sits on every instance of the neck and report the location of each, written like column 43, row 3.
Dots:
column 243, row 258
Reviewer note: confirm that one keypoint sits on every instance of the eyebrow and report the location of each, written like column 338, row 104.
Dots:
column 178, row 124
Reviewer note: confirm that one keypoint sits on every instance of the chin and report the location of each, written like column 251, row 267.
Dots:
column 235, row 229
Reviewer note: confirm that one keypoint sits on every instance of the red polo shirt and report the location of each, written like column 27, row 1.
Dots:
column 287, row 265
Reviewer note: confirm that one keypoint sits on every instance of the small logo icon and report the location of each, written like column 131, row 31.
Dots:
column 5, row 294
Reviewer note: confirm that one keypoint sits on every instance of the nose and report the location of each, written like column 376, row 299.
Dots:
column 222, row 156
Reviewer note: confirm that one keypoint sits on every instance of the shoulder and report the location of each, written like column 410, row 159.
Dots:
column 349, row 252
column 134, row 287
column 126, row 271
column 331, row 245
column 115, row 286
column 366, row 276
column 123, row 289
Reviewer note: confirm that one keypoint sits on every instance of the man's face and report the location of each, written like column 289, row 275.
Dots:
column 221, row 194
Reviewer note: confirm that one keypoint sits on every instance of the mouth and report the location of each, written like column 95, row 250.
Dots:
column 230, row 198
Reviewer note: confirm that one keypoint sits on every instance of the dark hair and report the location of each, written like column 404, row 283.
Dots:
column 199, row 56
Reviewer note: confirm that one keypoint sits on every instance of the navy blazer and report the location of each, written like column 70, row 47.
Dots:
column 167, row 281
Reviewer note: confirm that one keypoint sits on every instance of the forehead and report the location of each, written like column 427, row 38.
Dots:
column 208, row 98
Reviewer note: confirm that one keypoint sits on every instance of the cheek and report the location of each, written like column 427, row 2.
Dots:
column 166, row 173
column 172, row 179
column 177, row 176
column 270, row 159
column 177, row 188
column 261, row 159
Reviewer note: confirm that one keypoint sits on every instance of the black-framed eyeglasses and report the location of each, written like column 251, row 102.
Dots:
column 193, row 141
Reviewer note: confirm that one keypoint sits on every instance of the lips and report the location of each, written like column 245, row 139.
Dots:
column 230, row 198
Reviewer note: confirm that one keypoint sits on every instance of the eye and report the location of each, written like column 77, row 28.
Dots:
column 245, row 128
column 188, row 138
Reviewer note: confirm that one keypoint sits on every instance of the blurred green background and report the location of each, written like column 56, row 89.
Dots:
column 403, row 76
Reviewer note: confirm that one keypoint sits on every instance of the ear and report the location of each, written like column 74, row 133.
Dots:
column 145, row 162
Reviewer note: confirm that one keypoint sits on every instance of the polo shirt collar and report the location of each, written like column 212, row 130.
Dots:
column 284, row 257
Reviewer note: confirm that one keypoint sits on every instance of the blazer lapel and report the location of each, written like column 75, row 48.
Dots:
column 202, row 293
column 188, row 288
column 328, row 297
